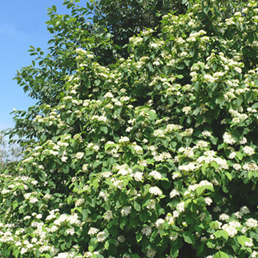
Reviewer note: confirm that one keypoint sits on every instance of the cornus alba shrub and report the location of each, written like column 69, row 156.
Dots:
column 155, row 156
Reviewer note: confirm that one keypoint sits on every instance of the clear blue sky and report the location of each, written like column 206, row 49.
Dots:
column 22, row 23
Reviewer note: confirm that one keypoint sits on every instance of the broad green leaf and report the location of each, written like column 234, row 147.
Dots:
column 189, row 237
column 221, row 255
column 54, row 8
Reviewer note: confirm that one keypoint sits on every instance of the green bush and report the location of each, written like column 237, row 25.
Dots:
column 154, row 156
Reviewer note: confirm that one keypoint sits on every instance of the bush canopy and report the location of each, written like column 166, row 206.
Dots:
column 152, row 155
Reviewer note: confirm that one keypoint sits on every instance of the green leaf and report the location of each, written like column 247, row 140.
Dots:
column 242, row 239
column 189, row 237
column 144, row 215
column 251, row 37
column 42, row 176
column 174, row 251
column 123, row 222
column 54, row 8
column 135, row 256
column 138, row 237
column 221, row 255
column 255, row 105
column 229, row 176
column 133, row 222
column 66, row 169
column 84, row 214
column 221, row 234
column 104, row 129
column 137, row 206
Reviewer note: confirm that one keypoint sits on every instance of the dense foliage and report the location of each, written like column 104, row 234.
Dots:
column 152, row 156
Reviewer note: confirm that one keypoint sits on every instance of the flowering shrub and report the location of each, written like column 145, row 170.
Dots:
column 155, row 156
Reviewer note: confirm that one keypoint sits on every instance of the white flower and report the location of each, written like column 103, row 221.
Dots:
column 181, row 206
column 206, row 133
column 234, row 224
column 173, row 193
column 217, row 209
column 173, row 236
column 124, row 139
column 189, row 131
column 186, row 110
column 227, row 137
column 238, row 69
column 121, row 239
column 208, row 200
column 151, row 205
column 223, row 216
column 189, row 167
column 202, row 144
column 209, row 78
column 232, row 155
column 64, row 159
column 39, row 216
column 101, row 236
column 146, row 230
column 244, row 210
column 138, row 149
column 250, row 167
column 151, row 253
column 108, row 95
column 159, row 133
column 34, row 182
column 251, row 223
column 70, row 231
column 155, row 174
column 79, row 155
column 176, row 175
column 33, row 200
column 155, row 190
column 159, row 223
column 108, row 215
column 125, row 98
column 230, row 230
column 248, row 150
column 93, row 231
column 205, row 182
column 243, row 141
column 79, row 202
column 138, row 176
column 125, row 211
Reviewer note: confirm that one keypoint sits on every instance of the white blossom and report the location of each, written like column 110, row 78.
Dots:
column 155, row 190
column 125, row 211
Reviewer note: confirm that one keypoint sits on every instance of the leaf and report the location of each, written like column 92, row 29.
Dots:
column 66, row 169
column 139, row 236
column 189, row 237
column 221, row 234
column 84, row 214
column 133, row 222
column 174, row 251
column 54, row 8
column 144, row 215
column 137, row 206
column 242, row 239
column 255, row 105
column 251, row 37
column 229, row 176
column 123, row 222
column 42, row 177
column 104, row 129
column 221, row 255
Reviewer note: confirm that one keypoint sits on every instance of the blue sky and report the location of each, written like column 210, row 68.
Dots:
column 22, row 23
